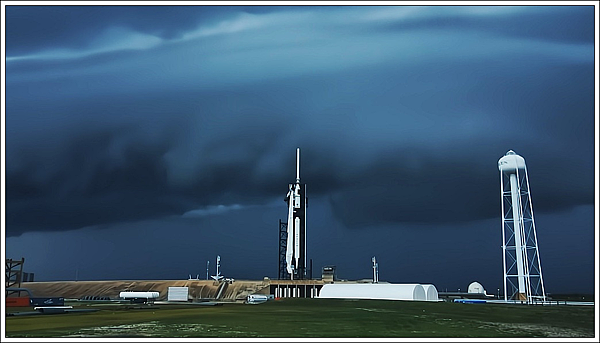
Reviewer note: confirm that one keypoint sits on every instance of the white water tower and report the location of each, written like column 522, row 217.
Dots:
column 521, row 258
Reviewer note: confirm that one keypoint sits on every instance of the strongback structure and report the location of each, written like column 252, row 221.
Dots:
column 295, row 235
column 283, row 274
column 521, row 258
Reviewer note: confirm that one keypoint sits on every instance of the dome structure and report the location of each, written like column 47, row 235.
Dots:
column 476, row 287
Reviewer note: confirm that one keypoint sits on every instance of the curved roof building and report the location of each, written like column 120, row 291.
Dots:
column 431, row 293
column 378, row 291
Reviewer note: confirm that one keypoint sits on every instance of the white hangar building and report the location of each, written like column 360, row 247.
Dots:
column 379, row 291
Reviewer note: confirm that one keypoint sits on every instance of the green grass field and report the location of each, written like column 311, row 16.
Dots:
column 314, row 318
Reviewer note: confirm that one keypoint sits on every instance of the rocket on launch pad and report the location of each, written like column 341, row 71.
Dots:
column 296, row 226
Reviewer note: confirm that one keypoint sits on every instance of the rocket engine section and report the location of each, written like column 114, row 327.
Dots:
column 296, row 228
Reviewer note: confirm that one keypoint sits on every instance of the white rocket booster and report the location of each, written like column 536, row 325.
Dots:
column 290, row 237
column 297, row 205
column 294, row 226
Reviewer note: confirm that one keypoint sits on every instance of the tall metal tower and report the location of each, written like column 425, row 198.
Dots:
column 218, row 276
column 282, row 273
column 14, row 274
column 521, row 258
column 375, row 270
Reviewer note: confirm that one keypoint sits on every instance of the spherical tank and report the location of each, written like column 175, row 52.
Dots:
column 511, row 162
column 132, row 295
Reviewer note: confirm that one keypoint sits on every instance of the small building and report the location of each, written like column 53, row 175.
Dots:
column 328, row 274
column 177, row 294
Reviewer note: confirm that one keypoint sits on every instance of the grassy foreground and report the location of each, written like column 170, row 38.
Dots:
column 315, row 318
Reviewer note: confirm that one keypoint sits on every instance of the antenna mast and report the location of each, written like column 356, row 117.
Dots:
column 297, row 165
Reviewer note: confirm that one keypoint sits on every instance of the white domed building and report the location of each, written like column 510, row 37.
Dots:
column 476, row 287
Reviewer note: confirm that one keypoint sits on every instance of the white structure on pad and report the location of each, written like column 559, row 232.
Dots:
column 521, row 257
column 385, row 291
column 178, row 294
column 476, row 287
column 431, row 293
column 135, row 295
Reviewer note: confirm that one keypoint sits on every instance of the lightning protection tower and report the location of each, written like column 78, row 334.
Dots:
column 521, row 258
column 375, row 270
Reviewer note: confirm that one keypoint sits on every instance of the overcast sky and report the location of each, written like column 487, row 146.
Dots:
column 143, row 141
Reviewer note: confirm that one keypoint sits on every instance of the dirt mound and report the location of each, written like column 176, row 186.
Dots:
column 198, row 289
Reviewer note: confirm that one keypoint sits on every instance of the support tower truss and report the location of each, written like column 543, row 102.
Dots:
column 283, row 274
column 13, row 274
column 521, row 258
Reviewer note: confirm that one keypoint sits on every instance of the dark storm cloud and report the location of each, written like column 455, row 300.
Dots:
column 31, row 28
column 573, row 24
column 401, row 112
column 95, row 175
column 415, row 187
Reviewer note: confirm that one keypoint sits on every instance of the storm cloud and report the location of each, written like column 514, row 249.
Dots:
column 121, row 113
